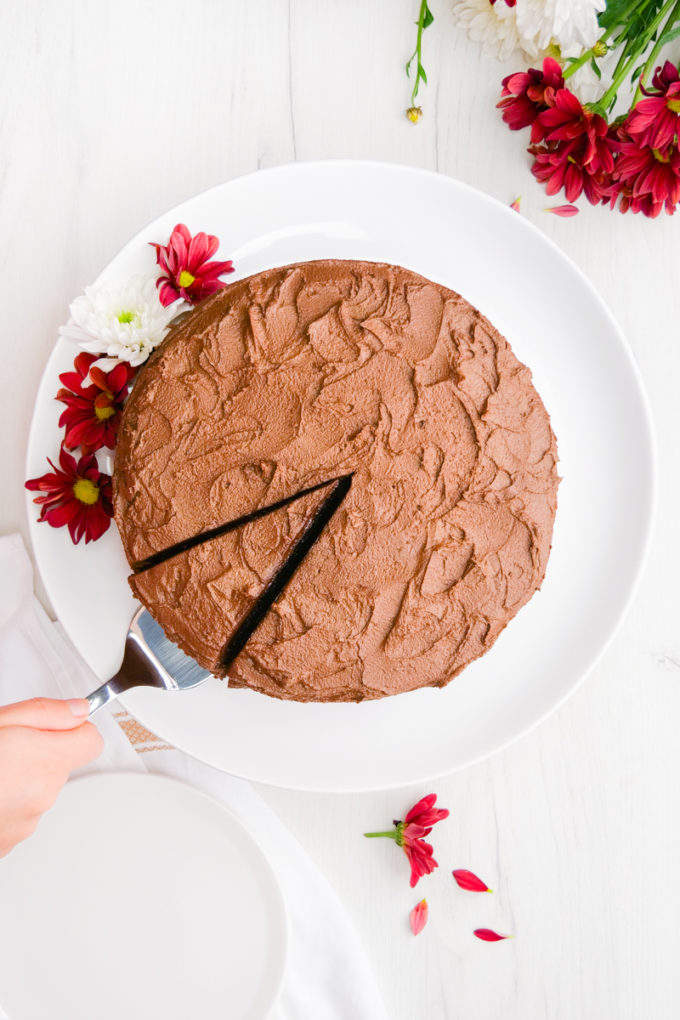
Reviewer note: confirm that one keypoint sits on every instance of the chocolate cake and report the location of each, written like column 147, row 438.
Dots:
column 294, row 377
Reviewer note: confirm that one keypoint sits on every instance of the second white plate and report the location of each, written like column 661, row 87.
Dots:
column 139, row 896
column 582, row 368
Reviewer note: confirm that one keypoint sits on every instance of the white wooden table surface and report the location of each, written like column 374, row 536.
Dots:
column 111, row 113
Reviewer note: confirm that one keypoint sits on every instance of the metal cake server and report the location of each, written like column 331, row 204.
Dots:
column 152, row 660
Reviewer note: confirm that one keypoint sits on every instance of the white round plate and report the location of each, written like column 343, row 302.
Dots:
column 138, row 896
column 585, row 373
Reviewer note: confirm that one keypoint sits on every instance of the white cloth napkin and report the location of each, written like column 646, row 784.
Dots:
column 328, row 977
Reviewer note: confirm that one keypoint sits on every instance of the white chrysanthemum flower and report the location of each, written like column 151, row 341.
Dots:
column 563, row 23
column 531, row 26
column 123, row 323
column 493, row 26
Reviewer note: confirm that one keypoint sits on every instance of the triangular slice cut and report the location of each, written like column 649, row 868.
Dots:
column 202, row 595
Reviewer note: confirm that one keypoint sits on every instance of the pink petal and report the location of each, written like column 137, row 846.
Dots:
column 563, row 210
column 468, row 880
column 515, row 205
column 487, row 935
column 418, row 917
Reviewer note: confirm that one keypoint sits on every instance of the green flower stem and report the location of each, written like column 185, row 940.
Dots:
column 418, row 52
column 625, row 64
column 658, row 46
column 392, row 834
column 583, row 59
column 589, row 54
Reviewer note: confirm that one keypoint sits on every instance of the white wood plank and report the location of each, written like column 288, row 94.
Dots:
column 113, row 112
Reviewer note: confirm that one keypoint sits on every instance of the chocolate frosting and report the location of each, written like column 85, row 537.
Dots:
column 203, row 594
column 300, row 374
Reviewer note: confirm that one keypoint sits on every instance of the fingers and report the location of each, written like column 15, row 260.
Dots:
column 76, row 748
column 46, row 713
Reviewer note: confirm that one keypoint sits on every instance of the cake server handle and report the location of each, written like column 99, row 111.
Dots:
column 102, row 696
column 139, row 668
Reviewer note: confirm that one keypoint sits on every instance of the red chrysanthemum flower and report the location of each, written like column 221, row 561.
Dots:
column 508, row 3
column 528, row 93
column 564, row 165
column 647, row 180
column 188, row 272
column 579, row 150
column 655, row 120
column 78, row 495
column 93, row 411
column 409, row 835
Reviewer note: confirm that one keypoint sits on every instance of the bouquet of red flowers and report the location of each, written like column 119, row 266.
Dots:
column 626, row 159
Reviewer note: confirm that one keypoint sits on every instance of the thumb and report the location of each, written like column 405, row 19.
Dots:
column 46, row 713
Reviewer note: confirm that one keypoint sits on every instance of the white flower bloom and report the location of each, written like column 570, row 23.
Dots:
column 564, row 23
column 493, row 26
column 531, row 26
column 124, row 323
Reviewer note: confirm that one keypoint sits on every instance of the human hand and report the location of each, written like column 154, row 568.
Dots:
column 41, row 742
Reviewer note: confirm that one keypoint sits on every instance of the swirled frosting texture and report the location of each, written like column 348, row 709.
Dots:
column 300, row 374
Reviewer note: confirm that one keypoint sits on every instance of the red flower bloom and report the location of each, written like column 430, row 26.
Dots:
column 528, row 93
column 655, row 120
column 93, row 412
column 579, row 151
column 409, row 835
column 188, row 273
column 647, row 179
column 79, row 496
column 508, row 3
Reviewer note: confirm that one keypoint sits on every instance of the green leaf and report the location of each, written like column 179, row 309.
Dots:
column 428, row 17
column 421, row 73
column 596, row 69
column 670, row 35
column 637, row 72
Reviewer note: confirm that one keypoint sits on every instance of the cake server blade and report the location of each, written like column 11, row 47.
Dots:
column 152, row 660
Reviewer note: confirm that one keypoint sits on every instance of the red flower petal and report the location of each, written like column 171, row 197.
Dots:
column 467, row 880
column 563, row 210
column 487, row 935
column 515, row 205
column 418, row 917
column 425, row 813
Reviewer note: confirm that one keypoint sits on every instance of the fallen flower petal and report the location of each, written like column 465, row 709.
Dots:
column 515, row 205
column 467, row 880
column 418, row 917
column 488, row 935
column 562, row 210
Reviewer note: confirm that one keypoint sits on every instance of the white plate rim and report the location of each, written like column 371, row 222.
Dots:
column 650, row 504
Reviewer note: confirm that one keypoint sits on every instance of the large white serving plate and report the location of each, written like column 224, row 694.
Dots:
column 139, row 896
column 585, row 373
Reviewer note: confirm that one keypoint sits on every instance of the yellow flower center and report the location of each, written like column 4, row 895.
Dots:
column 103, row 413
column 659, row 156
column 86, row 491
column 673, row 105
column 126, row 317
column 186, row 279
